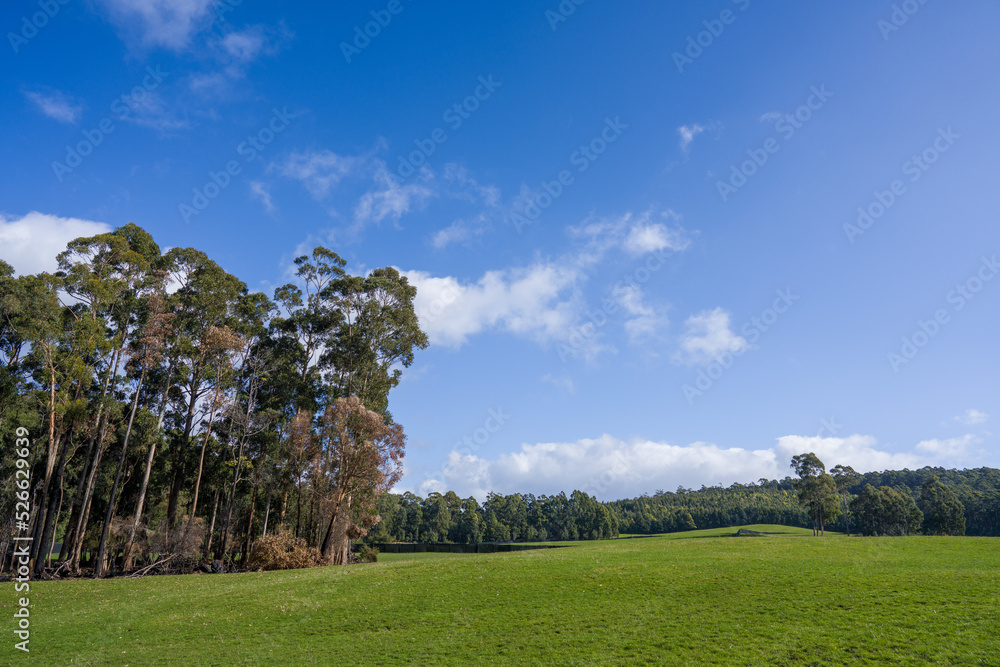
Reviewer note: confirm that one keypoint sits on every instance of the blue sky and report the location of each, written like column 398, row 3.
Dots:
column 655, row 244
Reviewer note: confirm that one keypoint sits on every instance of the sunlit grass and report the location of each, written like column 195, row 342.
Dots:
column 670, row 600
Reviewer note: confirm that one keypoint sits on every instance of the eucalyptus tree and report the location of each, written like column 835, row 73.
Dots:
column 377, row 335
column 944, row 513
column 817, row 490
column 845, row 477
column 363, row 459
column 206, row 300
column 104, row 275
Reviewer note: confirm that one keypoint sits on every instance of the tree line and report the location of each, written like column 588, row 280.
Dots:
column 510, row 518
column 172, row 411
column 930, row 500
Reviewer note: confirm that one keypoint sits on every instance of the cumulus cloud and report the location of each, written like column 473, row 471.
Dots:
column 972, row 417
column 56, row 105
column 536, row 302
column 611, row 468
column 30, row 244
column 708, row 336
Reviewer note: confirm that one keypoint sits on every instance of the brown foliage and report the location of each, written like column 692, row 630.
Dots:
column 283, row 551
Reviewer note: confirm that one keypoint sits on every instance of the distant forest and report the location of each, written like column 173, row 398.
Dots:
column 516, row 517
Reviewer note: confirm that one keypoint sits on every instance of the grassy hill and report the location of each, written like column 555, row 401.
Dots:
column 677, row 599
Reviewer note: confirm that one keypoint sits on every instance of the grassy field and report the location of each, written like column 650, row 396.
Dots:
column 700, row 598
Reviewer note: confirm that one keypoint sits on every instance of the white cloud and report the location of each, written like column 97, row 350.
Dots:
column 709, row 335
column 952, row 448
column 56, row 105
column 611, row 468
column 389, row 199
column 457, row 232
column 646, row 238
column 643, row 321
column 30, row 244
column 635, row 234
column 972, row 417
column 166, row 23
column 771, row 116
column 688, row 133
column 536, row 302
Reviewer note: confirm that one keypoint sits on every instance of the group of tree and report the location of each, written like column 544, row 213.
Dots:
column 172, row 411
column 951, row 502
column 512, row 518
column 877, row 510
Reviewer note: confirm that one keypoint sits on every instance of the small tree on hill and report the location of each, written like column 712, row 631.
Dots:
column 845, row 477
column 817, row 490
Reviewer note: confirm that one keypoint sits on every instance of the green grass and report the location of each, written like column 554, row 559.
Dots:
column 670, row 600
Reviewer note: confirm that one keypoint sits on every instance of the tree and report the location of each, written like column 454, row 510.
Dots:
column 845, row 478
column 944, row 513
column 817, row 490
column 363, row 460
column 886, row 511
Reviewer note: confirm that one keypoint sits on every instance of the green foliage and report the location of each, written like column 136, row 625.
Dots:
column 944, row 513
column 516, row 517
column 886, row 511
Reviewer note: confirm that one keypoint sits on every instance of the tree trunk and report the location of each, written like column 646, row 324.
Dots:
column 99, row 563
column 246, row 548
column 201, row 466
column 211, row 526
column 267, row 511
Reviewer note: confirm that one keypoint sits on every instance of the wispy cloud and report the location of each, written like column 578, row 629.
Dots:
column 262, row 193
column 687, row 134
column 56, row 105
column 164, row 23
column 972, row 417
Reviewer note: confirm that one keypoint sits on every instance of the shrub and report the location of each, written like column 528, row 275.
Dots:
column 368, row 554
column 283, row 551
